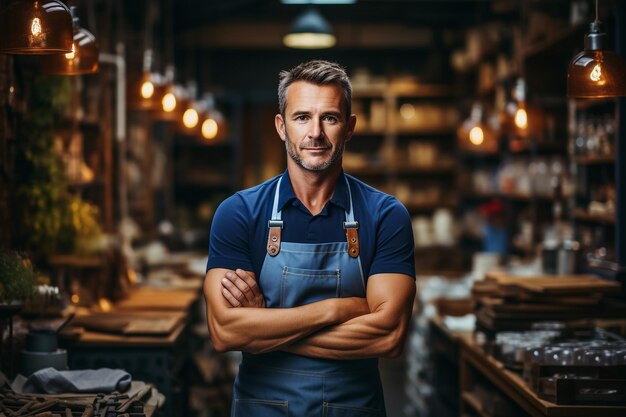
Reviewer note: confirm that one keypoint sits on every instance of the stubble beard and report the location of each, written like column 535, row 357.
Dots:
column 334, row 158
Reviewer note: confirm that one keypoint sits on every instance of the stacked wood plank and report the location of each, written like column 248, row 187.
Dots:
column 505, row 302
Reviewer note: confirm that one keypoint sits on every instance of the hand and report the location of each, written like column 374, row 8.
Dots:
column 240, row 289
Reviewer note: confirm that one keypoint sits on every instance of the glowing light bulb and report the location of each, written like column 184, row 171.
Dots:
column 596, row 73
column 105, row 305
column 476, row 135
column 521, row 118
column 209, row 129
column 147, row 89
column 35, row 27
column 190, row 118
column 75, row 298
column 169, row 102
column 71, row 55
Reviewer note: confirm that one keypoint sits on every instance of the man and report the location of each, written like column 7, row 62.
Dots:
column 310, row 274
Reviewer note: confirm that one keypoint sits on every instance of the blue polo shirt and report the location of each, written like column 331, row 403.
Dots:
column 239, row 230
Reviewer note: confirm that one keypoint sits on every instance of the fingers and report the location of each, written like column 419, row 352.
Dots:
column 230, row 298
column 239, row 288
column 250, row 281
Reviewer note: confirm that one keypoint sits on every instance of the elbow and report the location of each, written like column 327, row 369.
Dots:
column 393, row 347
column 394, row 341
column 220, row 338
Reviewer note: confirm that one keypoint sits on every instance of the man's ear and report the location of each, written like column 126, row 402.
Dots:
column 350, row 126
column 279, row 122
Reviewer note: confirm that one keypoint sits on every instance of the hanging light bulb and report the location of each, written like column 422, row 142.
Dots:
column 474, row 134
column 147, row 88
column 191, row 118
column 168, row 101
column 521, row 118
column 83, row 57
column 36, row 27
column 209, row 129
column 596, row 72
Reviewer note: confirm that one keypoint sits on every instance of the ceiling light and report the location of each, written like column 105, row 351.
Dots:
column 36, row 27
column 474, row 134
column 209, row 129
column 168, row 101
column 310, row 31
column 596, row 72
column 83, row 59
column 191, row 118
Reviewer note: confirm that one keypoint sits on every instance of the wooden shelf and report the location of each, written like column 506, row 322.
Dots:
column 77, row 261
column 445, row 130
column 474, row 402
column 441, row 168
column 582, row 215
column 474, row 359
column 585, row 104
column 595, row 160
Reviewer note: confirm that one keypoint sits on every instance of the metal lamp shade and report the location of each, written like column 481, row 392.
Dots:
column 36, row 27
column 83, row 59
column 310, row 31
column 596, row 74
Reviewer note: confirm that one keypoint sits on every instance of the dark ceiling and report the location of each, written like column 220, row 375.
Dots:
column 195, row 13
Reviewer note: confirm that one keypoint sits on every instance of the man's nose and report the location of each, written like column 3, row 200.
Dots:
column 315, row 130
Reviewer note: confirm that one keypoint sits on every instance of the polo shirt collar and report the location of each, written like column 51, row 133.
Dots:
column 339, row 198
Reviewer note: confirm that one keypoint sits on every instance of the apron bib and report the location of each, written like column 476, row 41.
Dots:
column 284, row 384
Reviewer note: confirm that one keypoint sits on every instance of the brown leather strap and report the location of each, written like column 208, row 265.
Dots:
column 352, row 236
column 273, row 240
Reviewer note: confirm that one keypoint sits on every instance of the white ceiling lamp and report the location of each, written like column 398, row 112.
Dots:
column 310, row 30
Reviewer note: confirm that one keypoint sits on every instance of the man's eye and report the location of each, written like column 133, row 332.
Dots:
column 330, row 119
column 301, row 118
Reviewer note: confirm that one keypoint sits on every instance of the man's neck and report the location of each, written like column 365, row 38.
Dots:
column 313, row 188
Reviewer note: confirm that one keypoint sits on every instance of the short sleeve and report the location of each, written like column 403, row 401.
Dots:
column 229, row 245
column 394, row 251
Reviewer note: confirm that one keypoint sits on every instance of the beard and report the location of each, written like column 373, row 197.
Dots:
column 292, row 151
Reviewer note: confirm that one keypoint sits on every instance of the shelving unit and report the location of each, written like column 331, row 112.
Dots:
column 411, row 127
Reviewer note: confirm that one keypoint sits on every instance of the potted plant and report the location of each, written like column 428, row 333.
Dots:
column 17, row 280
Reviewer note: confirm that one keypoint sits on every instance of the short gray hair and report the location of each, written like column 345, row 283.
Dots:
column 316, row 72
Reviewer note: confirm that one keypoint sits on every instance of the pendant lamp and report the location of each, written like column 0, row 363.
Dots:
column 310, row 31
column 84, row 56
column 476, row 136
column 36, row 27
column 596, row 72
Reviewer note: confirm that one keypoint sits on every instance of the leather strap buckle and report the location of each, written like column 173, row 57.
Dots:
column 352, row 236
column 274, row 237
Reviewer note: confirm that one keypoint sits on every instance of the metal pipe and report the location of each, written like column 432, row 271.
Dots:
column 119, row 62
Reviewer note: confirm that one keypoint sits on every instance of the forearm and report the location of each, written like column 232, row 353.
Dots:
column 258, row 330
column 381, row 333
column 366, row 336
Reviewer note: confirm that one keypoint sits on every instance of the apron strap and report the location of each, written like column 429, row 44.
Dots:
column 351, row 227
column 275, row 225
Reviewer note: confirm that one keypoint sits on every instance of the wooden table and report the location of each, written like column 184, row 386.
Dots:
column 159, row 359
column 476, row 367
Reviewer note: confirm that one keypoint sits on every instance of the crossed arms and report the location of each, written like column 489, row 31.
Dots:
column 335, row 328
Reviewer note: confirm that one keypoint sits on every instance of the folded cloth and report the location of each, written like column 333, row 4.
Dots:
column 52, row 381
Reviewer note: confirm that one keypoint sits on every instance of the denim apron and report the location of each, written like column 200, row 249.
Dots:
column 283, row 384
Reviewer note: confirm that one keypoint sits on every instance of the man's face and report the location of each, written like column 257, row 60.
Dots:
column 315, row 127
